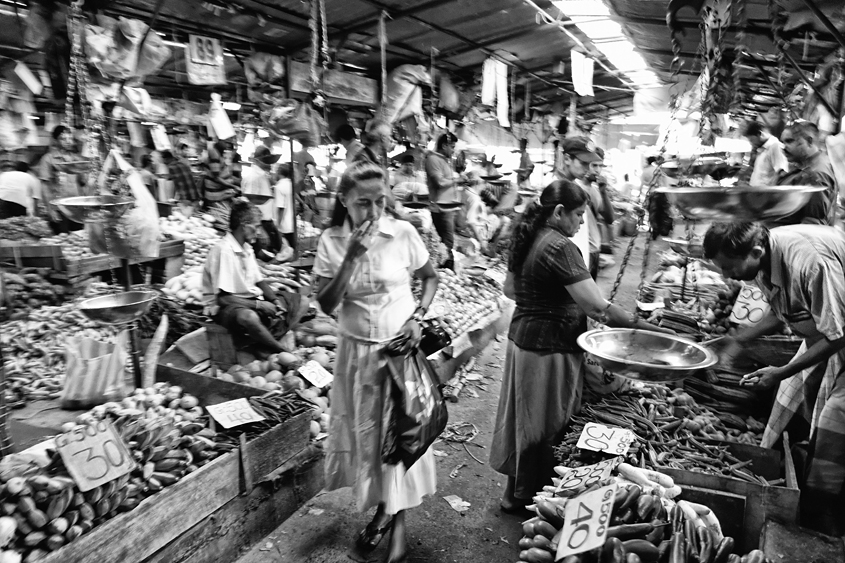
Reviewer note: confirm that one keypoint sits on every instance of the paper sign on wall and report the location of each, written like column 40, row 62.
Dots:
column 234, row 413
column 750, row 306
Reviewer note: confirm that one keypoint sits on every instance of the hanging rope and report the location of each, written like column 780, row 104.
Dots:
column 433, row 54
column 313, row 24
column 527, row 100
column 324, row 28
column 382, row 43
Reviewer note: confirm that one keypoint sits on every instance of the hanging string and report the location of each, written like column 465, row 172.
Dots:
column 382, row 43
column 513, row 97
column 313, row 24
column 324, row 23
column 527, row 100
column 434, row 53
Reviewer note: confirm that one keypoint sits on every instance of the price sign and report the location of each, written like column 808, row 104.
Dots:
column 316, row 374
column 94, row 454
column 600, row 438
column 585, row 522
column 234, row 413
column 496, row 276
column 204, row 61
column 587, row 476
column 750, row 306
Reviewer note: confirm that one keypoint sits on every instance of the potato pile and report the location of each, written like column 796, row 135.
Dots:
column 74, row 245
column 197, row 233
column 468, row 300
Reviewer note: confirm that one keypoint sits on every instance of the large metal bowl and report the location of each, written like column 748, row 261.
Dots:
column 94, row 209
column 740, row 203
column 645, row 355
column 119, row 308
column 702, row 166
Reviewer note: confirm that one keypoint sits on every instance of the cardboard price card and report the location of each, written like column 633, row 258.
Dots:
column 586, row 519
column 750, row 306
column 315, row 374
column 587, row 476
column 94, row 454
column 234, row 413
column 600, row 438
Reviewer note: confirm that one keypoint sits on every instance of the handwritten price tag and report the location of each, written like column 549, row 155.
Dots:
column 316, row 374
column 585, row 522
column 750, row 306
column 234, row 413
column 600, row 438
column 586, row 476
column 94, row 454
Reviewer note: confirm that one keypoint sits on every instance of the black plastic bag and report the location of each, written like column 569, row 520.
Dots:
column 415, row 411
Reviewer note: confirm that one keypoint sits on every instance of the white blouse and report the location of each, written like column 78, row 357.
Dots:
column 378, row 299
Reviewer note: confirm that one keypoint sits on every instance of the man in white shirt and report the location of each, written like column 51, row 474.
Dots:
column 284, row 203
column 20, row 191
column 235, row 293
column 771, row 161
column 256, row 180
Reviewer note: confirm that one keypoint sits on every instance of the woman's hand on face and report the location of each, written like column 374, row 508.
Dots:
column 357, row 242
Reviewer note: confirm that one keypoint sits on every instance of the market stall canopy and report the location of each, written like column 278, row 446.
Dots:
column 458, row 35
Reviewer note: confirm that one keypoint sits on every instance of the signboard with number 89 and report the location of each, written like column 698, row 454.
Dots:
column 600, row 438
column 205, row 50
column 750, row 306
column 94, row 454
column 586, row 520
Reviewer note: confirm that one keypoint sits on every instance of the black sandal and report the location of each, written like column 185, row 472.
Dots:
column 369, row 538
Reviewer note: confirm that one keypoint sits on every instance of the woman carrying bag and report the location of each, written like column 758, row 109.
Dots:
column 544, row 369
column 365, row 261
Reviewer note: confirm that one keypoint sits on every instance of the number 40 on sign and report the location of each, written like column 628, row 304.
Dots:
column 586, row 520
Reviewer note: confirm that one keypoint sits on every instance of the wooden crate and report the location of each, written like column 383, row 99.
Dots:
column 32, row 255
column 790, row 544
column 209, row 390
column 743, row 507
column 101, row 263
column 138, row 535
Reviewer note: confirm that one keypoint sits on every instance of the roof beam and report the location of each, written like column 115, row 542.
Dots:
column 521, row 32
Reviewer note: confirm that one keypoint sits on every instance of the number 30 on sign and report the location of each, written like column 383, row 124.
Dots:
column 94, row 454
column 586, row 520
column 600, row 438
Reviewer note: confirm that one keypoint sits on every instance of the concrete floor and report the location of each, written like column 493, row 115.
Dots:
column 323, row 530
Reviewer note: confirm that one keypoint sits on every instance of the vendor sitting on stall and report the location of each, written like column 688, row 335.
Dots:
column 236, row 294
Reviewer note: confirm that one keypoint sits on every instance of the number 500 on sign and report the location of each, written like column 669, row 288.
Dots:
column 586, row 521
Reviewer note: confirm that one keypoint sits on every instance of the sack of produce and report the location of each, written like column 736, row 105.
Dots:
column 95, row 371
column 415, row 413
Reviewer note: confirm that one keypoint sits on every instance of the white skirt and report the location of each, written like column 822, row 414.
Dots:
column 356, row 435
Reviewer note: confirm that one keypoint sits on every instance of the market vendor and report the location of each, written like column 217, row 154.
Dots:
column 59, row 177
column 237, row 296
column 801, row 271
column 808, row 166
column 20, row 191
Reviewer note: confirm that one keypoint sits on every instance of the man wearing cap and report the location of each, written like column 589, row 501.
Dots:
column 406, row 181
column 256, row 181
column 577, row 158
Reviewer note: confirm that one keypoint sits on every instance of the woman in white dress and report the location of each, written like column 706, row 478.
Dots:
column 364, row 264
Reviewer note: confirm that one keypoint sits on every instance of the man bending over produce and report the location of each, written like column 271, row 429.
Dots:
column 801, row 271
column 235, row 293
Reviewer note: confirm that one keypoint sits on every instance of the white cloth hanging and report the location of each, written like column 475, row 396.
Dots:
column 502, row 109
column 582, row 74
column 488, row 82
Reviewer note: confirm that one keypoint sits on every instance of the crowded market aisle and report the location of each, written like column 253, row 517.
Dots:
column 323, row 530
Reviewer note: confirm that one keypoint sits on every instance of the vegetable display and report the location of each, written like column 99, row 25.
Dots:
column 166, row 432
column 663, row 439
column 24, row 229
column 646, row 524
column 465, row 300
column 29, row 288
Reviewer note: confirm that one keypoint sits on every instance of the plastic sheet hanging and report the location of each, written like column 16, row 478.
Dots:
column 265, row 74
column 136, row 232
column 112, row 46
column 404, row 92
column 297, row 120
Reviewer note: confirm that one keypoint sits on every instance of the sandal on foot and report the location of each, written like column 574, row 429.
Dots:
column 369, row 538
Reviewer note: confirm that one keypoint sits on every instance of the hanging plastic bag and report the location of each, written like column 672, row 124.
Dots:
column 95, row 371
column 404, row 95
column 219, row 119
column 415, row 411
column 135, row 233
column 296, row 120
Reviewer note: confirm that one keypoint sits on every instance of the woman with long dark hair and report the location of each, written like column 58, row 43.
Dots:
column 364, row 264
column 543, row 374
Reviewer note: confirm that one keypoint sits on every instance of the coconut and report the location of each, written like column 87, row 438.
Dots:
column 274, row 376
column 286, row 359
